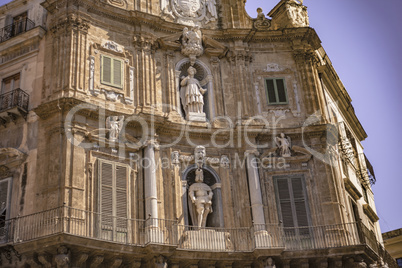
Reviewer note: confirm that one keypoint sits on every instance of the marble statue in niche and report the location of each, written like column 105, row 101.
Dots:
column 191, row 95
column 269, row 263
column 200, row 194
column 284, row 145
column 114, row 124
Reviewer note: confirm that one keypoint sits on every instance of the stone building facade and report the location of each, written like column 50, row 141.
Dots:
column 156, row 133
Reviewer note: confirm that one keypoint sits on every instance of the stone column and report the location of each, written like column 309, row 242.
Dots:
column 254, row 188
column 151, row 199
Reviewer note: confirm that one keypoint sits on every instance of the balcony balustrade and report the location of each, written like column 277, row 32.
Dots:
column 13, row 104
column 81, row 223
column 16, row 28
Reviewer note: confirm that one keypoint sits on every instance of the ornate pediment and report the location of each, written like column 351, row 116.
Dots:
column 11, row 158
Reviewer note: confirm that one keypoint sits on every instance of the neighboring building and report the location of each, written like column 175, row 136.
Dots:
column 177, row 134
column 393, row 244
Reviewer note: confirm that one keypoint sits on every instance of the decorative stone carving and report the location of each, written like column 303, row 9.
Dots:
column 111, row 95
column 190, row 12
column 200, row 194
column 114, row 124
column 191, row 41
column 261, row 23
column 225, row 161
column 91, row 73
column 297, row 13
column 110, row 45
column 4, row 172
column 63, row 257
column 191, row 96
column 175, row 158
column 284, row 145
column 160, row 262
column 273, row 67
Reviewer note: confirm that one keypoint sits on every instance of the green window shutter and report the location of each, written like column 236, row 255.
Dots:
column 106, row 210
column 106, row 70
column 285, row 203
column 300, row 202
column 271, row 91
column 276, row 91
column 121, row 196
column 281, row 90
column 117, row 73
column 112, row 72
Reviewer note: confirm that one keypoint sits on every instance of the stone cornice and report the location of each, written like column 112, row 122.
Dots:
column 370, row 213
column 351, row 188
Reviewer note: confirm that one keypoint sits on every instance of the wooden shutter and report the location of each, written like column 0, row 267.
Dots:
column 106, row 69
column 285, row 203
column 292, row 202
column 271, row 91
column 4, row 196
column 121, row 196
column 106, row 193
column 117, row 72
column 280, row 86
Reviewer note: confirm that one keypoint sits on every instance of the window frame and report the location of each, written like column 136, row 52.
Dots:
column 303, row 234
column 112, row 77
column 276, row 90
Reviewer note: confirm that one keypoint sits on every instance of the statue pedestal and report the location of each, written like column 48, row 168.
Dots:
column 205, row 239
column 199, row 117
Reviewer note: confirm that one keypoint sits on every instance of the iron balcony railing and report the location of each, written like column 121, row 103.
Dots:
column 16, row 28
column 67, row 220
column 15, row 98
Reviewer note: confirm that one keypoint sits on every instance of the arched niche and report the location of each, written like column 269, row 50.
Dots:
column 211, row 178
column 203, row 75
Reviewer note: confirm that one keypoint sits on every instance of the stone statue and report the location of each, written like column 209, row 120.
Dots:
column 284, row 145
column 269, row 263
column 62, row 258
column 200, row 194
column 261, row 23
column 191, row 41
column 211, row 6
column 191, row 96
column 114, row 124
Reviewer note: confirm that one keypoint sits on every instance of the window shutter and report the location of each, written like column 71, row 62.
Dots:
column 106, row 69
column 300, row 202
column 117, row 72
column 3, row 196
column 281, row 90
column 285, row 203
column 121, row 196
column 106, row 193
column 271, row 91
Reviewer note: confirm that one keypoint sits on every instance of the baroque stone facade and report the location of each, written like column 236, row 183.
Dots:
column 178, row 133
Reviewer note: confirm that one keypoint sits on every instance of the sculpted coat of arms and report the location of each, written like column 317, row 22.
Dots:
column 190, row 12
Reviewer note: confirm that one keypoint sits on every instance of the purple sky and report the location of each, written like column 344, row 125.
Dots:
column 364, row 43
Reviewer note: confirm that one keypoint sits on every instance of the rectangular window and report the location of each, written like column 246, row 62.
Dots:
column 293, row 209
column 5, row 194
column 10, row 83
column 112, row 71
column 276, row 91
column 113, row 200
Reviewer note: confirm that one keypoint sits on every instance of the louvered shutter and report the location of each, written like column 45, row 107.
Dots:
column 121, row 196
column 281, row 90
column 285, row 203
column 117, row 72
column 4, row 184
column 106, row 172
column 106, row 70
column 271, row 91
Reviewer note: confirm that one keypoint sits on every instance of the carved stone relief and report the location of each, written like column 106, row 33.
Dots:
column 190, row 12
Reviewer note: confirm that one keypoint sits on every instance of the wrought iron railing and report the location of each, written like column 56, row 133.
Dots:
column 67, row 220
column 16, row 28
column 15, row 98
